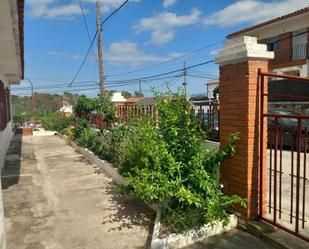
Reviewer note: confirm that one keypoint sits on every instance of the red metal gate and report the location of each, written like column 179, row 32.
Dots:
column 286, row 159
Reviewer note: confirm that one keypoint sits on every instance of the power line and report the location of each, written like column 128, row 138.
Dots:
column 202, row 77
column 87, row 28
column 93, row 40
column 65, row 87
column 114, row 12
column 187, row 54
column 154, row 77
column 170, row 72
column 168, row 61
column 54, row 87
column 84, row 60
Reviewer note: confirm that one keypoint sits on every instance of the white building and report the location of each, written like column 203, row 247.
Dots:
column 11, row 72
column 211, row 85
column 66, row 109
column 118, row 99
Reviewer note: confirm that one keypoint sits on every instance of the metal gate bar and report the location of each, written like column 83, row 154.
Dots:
column 275, row 138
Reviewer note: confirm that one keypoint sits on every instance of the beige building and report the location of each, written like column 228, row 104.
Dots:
column 288, row 37
column 11, row 72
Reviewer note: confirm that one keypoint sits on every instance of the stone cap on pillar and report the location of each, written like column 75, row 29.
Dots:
column 241, row 49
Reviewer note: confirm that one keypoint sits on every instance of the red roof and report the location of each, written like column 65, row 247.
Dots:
column 133, row 100
column 20, row 6
column 298, row 12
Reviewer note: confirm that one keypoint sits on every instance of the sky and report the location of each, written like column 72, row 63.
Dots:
column 145, row 38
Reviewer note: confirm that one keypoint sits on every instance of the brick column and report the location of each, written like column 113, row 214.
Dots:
column 239, row 62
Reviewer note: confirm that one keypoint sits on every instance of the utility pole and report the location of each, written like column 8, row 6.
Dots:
column 140, row 86
column 100, row 49
column 32, row 96
column 185, row 83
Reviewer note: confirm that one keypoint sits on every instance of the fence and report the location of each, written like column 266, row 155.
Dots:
column 287, row 170
column 208, row 113
column 129, row 113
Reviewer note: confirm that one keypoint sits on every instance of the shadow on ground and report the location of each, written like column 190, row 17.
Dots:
column 234, row 239
column 128, row 212
column 11, row 172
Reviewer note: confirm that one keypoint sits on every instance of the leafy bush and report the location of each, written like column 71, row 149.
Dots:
column 101, row 105
column 87, row 138
column 168, row 166
column 116, row 138
column 80, row 125
column 56, row 122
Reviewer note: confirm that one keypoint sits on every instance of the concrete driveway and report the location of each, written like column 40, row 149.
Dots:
column 54, row 199
column 288, row 190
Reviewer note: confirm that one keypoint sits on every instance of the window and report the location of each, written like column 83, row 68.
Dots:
column 8, row 104
column 2, row 107
column 5, row 108
column 273, row 44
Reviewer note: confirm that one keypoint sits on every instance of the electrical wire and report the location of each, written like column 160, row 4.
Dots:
column 168, row 61
column 93, row 40
column 87, row 29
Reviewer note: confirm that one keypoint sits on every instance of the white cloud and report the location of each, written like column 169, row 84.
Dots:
column 126, row 52
column 57, row 53
column 108, row 5
column 163, row 25
column 48, row 10
column 77, row 56
column 168, row 3
column 214, row 52
column 32, row 2
column 252, row 11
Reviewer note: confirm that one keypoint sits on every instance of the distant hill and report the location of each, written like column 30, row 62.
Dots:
column 43, row 101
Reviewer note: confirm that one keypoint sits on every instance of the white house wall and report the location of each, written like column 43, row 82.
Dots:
column 7, row 134
column 5, row 139
column 288, row 25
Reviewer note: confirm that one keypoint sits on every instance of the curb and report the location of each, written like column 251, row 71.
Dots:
column 173, row 241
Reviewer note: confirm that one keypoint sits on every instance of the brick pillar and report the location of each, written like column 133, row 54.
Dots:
column 239, row 62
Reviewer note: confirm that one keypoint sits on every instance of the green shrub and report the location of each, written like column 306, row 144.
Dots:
column 87, row 138
column 168, row 166
column 80, row 125
column 115, row 138
column 98, row 148
column 101, row 105
column 56, row 122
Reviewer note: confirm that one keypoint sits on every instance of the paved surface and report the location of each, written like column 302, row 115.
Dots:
column 285, row 204
column 54, row 199
column 235, row 239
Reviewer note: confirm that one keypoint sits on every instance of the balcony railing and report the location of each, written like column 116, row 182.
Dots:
column 293, row 53
column 300, row 52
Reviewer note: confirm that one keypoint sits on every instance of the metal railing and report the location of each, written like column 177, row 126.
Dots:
column 208, row 112
column 293, row 53
column 300, row 52
column 283, row 165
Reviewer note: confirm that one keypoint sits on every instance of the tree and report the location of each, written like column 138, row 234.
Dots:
column 199, row 98
column 126, row 94
column 215, row 91
column 138, row 94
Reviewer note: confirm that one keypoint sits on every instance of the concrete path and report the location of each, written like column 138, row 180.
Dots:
column 54, row 199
